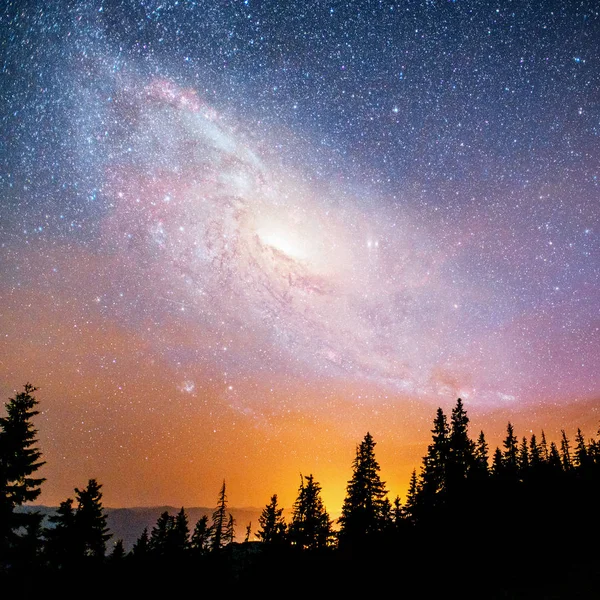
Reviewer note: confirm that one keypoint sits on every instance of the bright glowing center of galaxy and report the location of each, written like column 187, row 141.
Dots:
column 284, row 241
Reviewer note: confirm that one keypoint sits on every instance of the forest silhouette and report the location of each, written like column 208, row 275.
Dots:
column 519, row 522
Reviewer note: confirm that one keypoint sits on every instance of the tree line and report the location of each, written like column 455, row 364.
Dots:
column 520, row 512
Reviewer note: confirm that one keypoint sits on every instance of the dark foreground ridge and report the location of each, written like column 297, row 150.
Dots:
column 523, row 524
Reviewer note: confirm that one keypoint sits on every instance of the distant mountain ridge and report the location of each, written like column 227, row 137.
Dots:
column 128, row 524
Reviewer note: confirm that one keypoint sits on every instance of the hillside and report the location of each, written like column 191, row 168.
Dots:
column 128, row 523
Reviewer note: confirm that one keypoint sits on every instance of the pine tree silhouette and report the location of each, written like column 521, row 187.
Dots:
column 365, row 512
column 310, row 527
column 201, row 536
column 90, row 520
column 19, row 460
column 272, row 524
column 218, row 528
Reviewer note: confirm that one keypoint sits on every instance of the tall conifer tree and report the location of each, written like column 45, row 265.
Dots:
column 497, row 463
column 565, row 451
column 524, row 459
column 219, row 522
column 435, row 463
column 554, row 459
column 481, row 466
column 161, row 533
column 272, row 524
column 364, row 508
column 181, row 532
column 412, row 499
column 141, row 547
column 201, row 536
column 62, row 540
column 510, row 457
column 229, row 533
column 582, row 456
column 90, row 520
column 535, row 457
column 544, row 450
column 461, row 454
column 19, row 460
column 310, row 527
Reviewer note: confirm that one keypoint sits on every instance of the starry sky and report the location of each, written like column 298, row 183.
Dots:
column 235, row 236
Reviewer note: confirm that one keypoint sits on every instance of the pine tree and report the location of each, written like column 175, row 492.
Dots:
column 397, row 512
column 118, row 552
column 554, row 459
column 272, row 524
column 19, row 460
column 229, row 533
column 435, row 463
column 219, row 522
column 363, row 511
column 310, row 527
column 523, row 458
column 565, row 451
column 497, row 463
column 510, row 457
column 141, row 547
column 62, row 540
column 201, row 536
column 181, row 533
column 412, row 499
column 594, row 452
column 387, row 518
column 248, row 532
column 535, row 457
column 582, row 456
column 160, row 537
column 461, row 454
column 481, row 464
column 90, row 520
column 78, row 533
column 544, row 452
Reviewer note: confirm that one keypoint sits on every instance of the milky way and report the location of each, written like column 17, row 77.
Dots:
column 401, row 200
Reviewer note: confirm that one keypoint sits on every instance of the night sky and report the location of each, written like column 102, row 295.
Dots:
column 236, row 236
